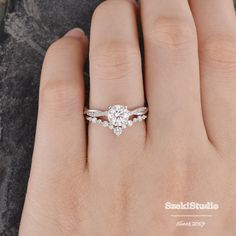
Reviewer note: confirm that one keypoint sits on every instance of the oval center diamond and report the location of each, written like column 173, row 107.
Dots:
column 118, row 115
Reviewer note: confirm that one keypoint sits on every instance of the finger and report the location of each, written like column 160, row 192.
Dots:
column 60, row 145
column 215, row 22
column 116, row 72
column 171, row 69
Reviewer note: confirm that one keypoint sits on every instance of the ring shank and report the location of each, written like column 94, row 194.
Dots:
column 98, row 113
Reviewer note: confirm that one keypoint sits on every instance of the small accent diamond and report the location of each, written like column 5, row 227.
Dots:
column 117, row 131
column 105, row 123
column 130, row 123
column 94, row 120
column 139, row 118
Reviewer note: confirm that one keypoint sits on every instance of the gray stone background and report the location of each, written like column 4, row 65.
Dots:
column 27, row 28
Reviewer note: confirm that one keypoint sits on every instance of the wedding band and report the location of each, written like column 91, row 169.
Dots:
column 116, row 117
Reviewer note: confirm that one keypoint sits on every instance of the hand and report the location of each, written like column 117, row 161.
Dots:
column 94, row 183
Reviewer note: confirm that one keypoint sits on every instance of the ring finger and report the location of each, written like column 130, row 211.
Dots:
column 116, row 75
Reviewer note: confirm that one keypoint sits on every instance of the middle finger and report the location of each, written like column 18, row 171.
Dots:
column 171, row 69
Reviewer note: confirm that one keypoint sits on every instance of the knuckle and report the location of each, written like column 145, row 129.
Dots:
column 60, row 97
column 115, row 60
column 219, row 53
column 171, row 32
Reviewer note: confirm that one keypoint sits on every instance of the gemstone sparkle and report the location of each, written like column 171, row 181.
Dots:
column 118, row 115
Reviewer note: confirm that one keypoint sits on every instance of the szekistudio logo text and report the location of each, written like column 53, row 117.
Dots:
column 191, row 206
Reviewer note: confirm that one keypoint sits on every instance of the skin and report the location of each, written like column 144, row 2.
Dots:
column 85, row 180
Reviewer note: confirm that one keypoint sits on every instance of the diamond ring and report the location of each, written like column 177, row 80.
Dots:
column 116, row 117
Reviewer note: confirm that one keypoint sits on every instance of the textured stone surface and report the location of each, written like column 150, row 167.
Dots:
column 27, row 29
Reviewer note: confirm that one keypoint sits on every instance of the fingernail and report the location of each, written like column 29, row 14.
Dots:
column 75, row 33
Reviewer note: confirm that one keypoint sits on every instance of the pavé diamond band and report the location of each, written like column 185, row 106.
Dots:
column 116, row 117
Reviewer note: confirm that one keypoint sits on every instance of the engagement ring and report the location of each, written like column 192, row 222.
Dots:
column 116, row 117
